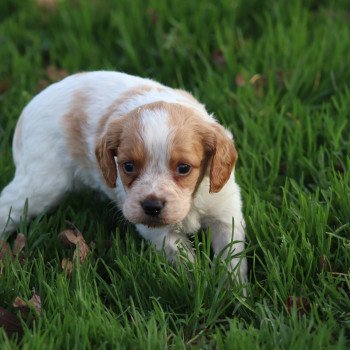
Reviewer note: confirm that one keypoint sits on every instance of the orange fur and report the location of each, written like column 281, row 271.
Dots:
column 194, row 141
column 75, row 123
column 131, row 148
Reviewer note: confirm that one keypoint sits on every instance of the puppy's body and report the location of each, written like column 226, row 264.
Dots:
column 153, row 150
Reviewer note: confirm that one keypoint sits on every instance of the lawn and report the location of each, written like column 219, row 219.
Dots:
column 277, row 74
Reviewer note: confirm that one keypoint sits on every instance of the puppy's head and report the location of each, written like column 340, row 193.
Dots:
column 161, row 152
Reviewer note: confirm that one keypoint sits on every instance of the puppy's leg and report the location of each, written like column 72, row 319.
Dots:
column 228, row 242
column 171, row 240
column 42, row 187
column 177, row 243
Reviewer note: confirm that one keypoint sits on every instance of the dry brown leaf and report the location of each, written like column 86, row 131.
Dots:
column 47, row 4
column 21, row 306
column 259, row 82
column 258, row 79
column 68, row 237
column 67, row 266
column 82, row 250
column 240, row 81
column 25, row 306
column 10, row 322
column 75, row 237
column 18, row 303
column 19, row 244
column 35, row 301
column 54, row 73
column 5, row 250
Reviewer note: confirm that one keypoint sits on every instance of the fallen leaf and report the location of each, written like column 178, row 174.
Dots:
column 82, row 250
column 258, row 79
column 25, row 306
column 68, row 238
column 259, row 82
column 67, row 266
column 239, row 80
column 47, row 4
column 75, row 237
column 35, row 300
column 19, row 244
column 5, row 250
column 54, row 73
column 21, row 306
column 10, row 322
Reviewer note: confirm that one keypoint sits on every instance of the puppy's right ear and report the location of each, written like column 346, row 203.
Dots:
column 106, row 150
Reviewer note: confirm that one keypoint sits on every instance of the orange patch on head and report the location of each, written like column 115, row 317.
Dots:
column 122, row 140
column 193, row 140
column 186, row 146
column 75, row 124
column 112, row 134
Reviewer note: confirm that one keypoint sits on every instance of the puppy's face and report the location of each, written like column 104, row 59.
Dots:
column 163, row 151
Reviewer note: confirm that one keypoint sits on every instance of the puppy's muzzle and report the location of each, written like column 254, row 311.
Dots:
column 152, row 207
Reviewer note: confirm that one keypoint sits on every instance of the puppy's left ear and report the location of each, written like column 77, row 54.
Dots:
column 106, row 150
column 224, row 157
column 105, row 159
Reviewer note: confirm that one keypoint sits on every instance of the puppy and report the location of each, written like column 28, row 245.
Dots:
column 154, row 150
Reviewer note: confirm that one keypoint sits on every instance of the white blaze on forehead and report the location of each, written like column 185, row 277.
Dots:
column 155, row 134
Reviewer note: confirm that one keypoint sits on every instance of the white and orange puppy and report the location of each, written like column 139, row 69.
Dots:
column 155, row 151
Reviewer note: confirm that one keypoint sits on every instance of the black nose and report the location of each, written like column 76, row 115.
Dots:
column 152, row 207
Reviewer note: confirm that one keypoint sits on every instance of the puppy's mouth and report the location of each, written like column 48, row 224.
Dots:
column 153, row 223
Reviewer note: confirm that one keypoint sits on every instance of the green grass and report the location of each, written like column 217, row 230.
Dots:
column 292, row 131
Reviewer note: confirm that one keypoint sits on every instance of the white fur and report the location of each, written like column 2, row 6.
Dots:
column 156, row 121
column 45, row 170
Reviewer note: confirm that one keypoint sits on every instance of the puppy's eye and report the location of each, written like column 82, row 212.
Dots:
column 183, row 169
column 129, row 167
